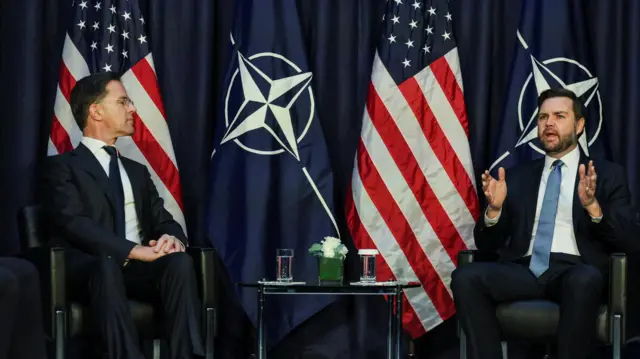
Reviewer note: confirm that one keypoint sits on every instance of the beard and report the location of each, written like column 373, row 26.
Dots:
column 563, row 143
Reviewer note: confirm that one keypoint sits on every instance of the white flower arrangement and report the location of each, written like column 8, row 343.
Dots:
column 330, row 247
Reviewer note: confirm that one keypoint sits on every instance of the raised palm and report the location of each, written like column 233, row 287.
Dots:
column 495, row 190
column 587, row 184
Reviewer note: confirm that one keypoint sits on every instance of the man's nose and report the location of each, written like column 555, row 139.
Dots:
column 551, row 121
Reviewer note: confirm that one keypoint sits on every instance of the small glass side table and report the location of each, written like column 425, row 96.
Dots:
column 392, row 289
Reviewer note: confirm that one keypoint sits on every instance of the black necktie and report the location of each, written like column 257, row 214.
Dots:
column 117, row 191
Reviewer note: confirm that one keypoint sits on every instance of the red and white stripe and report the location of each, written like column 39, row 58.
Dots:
column 413, row 189
column 151, row 143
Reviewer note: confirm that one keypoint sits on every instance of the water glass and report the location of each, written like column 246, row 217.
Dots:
column 284, row 262
column 368, row 265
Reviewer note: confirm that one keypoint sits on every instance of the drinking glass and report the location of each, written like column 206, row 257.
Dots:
column 284, row 263
column 368, row 265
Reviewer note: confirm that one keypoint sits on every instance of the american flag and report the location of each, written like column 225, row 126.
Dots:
column 108, row 35
column 413, row 191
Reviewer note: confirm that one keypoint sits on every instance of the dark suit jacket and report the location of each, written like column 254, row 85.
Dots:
column 79, row 205
column 617, row 232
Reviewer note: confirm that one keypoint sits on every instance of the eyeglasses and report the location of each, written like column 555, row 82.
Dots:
column 125, row 101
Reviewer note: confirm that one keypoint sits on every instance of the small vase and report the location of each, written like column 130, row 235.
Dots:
column 330, row 271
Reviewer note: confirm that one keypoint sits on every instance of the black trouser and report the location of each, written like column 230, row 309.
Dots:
column 478, row 287
column 21, row 333
column 169, row 281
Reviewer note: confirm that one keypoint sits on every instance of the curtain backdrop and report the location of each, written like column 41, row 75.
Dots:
column 189, row 40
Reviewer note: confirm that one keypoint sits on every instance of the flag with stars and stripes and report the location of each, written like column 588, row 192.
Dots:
column 413, row 191
column 110, row 35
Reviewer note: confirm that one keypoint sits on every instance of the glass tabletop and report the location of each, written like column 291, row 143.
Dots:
column 378, row 288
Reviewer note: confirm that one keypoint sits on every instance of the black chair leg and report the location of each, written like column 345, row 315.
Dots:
column 210, row 332
column 59, row 335
column 463, row 345
column 412, row 349
column 617, row 335
column 547, row 351
column 156, row 349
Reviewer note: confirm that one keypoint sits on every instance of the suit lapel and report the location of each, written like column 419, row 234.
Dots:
column 532, row 181
column 88, row 162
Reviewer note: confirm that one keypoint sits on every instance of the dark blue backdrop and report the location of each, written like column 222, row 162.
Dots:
column 189, row 40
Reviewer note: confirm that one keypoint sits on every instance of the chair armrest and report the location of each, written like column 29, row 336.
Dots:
column 54, row 290
column 50, row 263
column 618, row 283
column 58, row 278
column 466, row 256
column 204, row 260
column 618, row 288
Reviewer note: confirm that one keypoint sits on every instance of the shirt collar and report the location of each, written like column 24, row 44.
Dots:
column 94, row 145
column 571, row 160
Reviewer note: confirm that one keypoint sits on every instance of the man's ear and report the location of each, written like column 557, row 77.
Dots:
column 580, row 126
column 95, row 111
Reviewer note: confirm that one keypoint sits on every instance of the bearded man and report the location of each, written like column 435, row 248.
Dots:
column 555, row 223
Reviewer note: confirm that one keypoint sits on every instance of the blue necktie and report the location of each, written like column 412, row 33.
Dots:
column 116, row 187
column 547, row 222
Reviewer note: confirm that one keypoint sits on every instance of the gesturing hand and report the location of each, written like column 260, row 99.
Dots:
column 587, row 184
column 495, row 190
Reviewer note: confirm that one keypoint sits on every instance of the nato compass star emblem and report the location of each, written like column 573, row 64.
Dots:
column 273, row 100
column 268, row 104
column 541, row 73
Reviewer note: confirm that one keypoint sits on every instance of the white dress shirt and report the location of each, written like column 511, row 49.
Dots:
column 132, row 225
column 564, row 238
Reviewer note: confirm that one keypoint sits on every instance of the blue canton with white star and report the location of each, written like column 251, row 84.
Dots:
column 109, row 34
column 415, row 33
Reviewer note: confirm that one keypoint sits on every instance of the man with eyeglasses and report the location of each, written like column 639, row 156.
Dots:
column 123, row 243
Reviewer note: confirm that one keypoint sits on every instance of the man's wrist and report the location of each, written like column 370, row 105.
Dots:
column 594, row 209
column 134, row 252
column 493, row 212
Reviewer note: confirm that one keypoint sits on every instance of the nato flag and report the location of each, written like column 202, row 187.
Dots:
column 271, row 184
column 552, row 51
